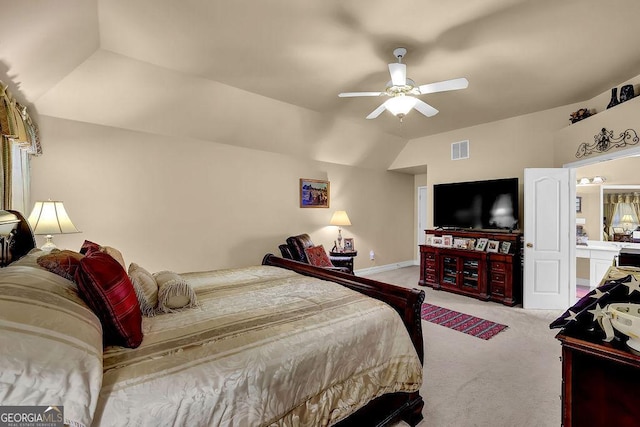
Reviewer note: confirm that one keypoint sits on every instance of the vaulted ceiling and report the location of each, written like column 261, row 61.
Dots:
column 115, row 62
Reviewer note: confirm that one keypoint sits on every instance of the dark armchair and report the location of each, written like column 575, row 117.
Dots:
column 295, row 249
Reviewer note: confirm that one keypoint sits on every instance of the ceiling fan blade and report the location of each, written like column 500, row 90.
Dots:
column 425, row 108
column 375, row 113
column 352, row 94
column 398, row 74
column 454, row 84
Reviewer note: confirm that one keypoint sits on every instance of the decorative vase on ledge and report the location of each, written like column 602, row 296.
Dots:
column 614, row 98
column 626, row 93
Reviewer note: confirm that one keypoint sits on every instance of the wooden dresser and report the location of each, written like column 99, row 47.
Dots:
column 600, row 384
column 483, row 275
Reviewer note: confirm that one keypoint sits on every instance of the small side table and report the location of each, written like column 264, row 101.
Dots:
column 343, row 259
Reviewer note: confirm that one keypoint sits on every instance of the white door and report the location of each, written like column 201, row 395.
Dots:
column 549, row 238
column 422, row 214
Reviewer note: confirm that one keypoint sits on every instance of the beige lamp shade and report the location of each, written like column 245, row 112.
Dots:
column 50, row 217
column 340, row 218
column 627, row 218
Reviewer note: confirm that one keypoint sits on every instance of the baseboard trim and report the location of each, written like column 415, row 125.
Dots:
column 583, row 282
column 382, row 268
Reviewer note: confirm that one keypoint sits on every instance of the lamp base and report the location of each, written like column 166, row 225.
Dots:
column 48, row 245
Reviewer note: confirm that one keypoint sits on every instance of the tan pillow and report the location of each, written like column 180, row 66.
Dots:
column 63, row 263
column 146, row 288
column 173, row 292
column 115, row 254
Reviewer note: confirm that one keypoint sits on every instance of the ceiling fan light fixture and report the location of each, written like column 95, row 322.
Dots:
column 400, row 105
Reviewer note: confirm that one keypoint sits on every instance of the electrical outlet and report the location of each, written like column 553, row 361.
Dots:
column 372, row 255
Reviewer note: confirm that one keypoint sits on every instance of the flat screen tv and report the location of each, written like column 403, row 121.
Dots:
column 489, row 204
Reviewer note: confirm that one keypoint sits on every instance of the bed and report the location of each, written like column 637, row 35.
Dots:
column 276, row 344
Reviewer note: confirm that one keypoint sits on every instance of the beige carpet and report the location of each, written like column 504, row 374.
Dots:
column 513, row 379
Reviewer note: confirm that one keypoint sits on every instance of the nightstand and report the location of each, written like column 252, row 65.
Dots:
column 343, row 259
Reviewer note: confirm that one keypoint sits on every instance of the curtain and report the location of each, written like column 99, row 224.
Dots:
column 18, row 140
column 616, row 206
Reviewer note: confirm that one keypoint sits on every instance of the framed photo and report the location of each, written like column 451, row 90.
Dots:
column 482, row 244
column 429, row 240
column 618, row 230
column 504, row 247
column 460, row 243
column 447, row 241
column 437, row 241
column 579, row 204
column 471, row 244
column 348, row 244
column 314, row 193
column 493, row 245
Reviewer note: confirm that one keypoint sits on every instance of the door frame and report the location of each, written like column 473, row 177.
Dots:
column 421, row 217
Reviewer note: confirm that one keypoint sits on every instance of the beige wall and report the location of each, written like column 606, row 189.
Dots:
column 185, row 204
column 501, row 149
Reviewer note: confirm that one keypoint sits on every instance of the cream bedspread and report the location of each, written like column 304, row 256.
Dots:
column 266, row 347
column 50, row 344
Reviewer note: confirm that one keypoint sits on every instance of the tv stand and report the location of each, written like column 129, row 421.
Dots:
column 495, row 276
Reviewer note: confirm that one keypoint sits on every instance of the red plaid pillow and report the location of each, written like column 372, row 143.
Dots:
column 106, row 288
column 318, row 256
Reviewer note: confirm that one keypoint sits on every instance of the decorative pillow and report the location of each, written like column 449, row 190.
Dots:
column 146, row 288
column 116, row 254
column 89, row 246
column 318, row 256
column 63, row 263
column 106, row 288
column 173, row 292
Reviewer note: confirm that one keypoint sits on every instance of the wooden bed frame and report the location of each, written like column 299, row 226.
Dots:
column 408, row 303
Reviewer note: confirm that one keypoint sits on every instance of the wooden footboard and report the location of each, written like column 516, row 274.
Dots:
column 408, row 303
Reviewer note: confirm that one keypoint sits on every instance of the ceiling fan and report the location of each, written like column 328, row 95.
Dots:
column 403, row 91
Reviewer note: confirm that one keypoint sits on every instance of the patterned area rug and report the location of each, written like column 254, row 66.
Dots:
column 461, row 322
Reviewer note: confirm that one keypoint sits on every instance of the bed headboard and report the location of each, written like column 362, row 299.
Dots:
column 16, row 240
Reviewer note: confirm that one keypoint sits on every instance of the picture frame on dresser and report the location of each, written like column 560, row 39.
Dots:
column 348, row 244
column 505, row 247
column 482, row 244
column 429, row 240
column 437, row 241
column 447, row 240
column 460, row 243
column 493, row 245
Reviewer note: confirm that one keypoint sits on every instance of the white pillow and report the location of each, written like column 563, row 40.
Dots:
column 173, row 292
column 146, row 288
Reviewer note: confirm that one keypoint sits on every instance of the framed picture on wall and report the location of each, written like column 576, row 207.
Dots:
column 314, row 193
column 579, row 204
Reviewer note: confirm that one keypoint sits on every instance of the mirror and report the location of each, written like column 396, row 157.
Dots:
column 621, row 178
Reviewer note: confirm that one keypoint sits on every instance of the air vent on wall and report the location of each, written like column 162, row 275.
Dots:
column 460, row 150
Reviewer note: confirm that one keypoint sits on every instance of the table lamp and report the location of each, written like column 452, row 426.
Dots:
column 340, row 218
column 627, row 220
column 50, row 217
